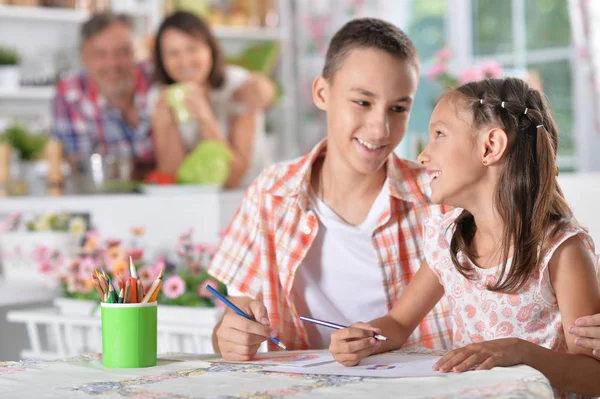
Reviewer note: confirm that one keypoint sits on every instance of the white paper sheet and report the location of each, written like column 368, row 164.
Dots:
column 288, row 358
column 387, row 365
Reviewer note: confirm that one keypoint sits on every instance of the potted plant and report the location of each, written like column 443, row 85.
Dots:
column 30, row 148
column 9, row 69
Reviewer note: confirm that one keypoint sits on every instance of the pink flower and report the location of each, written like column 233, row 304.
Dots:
column 40, row 253
column 174, row 287
column 436, row 71
column 86, row 267
column 471, row 74
column 45, row 267
column 136, row 255
column 147, row 275
column 491, row 69
column 158, row 266
column 203, row 292
column 443, row 54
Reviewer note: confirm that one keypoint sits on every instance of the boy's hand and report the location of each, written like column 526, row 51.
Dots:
column 239, row 338
column 588, row 329
column 482, row 356
column 351, row 345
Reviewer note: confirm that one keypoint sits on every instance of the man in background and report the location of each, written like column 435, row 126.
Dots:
column 104, row 108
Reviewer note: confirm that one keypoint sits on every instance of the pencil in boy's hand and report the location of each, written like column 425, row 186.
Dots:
column 337, row 326
column 240, row 312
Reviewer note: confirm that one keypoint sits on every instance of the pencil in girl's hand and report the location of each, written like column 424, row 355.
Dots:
column 240, row 312
column 336, row 326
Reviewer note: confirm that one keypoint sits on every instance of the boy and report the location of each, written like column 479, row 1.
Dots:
column 335, row 235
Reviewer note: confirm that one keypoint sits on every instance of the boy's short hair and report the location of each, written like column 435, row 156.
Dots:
column 368, row 33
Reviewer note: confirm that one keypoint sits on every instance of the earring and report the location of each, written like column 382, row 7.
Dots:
column 485, row 161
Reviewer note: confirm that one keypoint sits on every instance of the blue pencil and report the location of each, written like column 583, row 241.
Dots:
column 336, row 326
column 240, row 312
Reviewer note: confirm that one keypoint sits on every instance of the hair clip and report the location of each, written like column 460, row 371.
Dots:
column 481, row 101
column 525, row 113
column 502, row 105
column 539, row 126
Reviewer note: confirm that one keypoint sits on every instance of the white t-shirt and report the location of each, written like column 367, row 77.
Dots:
column 225, row 108
column 340, row 279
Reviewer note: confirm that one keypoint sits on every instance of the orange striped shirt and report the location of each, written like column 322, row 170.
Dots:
column 274, row 228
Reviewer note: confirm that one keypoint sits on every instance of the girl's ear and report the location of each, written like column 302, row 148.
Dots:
column 320, row 92
column 495, row 143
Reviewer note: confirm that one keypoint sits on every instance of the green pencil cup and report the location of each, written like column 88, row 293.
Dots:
column 129, row 333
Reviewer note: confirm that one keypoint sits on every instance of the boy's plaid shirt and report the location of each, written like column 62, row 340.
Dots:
column 274, row 228
column 84, row 122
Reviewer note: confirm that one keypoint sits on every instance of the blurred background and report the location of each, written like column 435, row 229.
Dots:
column 550, row 39
column 57, row 200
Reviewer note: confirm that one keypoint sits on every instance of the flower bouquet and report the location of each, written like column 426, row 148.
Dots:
column 184, row 282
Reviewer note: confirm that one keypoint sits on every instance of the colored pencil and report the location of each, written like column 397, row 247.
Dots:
column 336, row 326
column 132, row 270
column 154, row 288
column 133, row 298
column 97, row 286
column 240, row 312
column 112, row 297
column 140, row 291
column 127, row 294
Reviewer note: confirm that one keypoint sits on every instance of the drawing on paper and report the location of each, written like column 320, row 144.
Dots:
column 381, row 367
column 293, row 358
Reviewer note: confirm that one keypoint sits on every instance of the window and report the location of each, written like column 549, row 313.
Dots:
column 534, row 36
column 522, row 35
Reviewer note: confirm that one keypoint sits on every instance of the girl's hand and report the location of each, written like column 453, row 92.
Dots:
column 483, row 356
column 351, row 345
column 198, row 103
column 588, row 330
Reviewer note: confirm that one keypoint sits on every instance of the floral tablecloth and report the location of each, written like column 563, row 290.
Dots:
column 179, row 376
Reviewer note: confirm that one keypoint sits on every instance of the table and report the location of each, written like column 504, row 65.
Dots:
column 179, row 376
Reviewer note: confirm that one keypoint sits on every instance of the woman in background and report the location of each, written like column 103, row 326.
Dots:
column 224, row 102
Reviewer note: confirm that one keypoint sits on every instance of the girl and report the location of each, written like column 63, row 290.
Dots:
column 185, row 51
column 516, row 267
